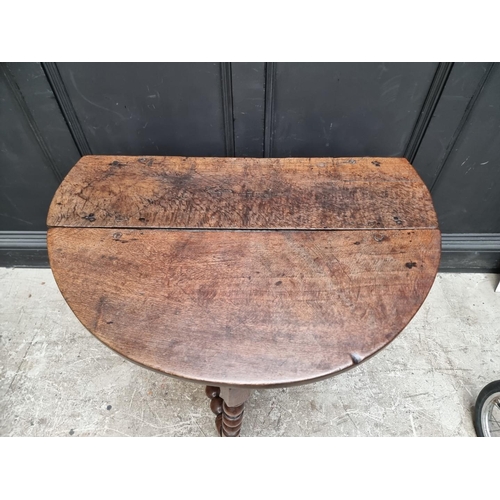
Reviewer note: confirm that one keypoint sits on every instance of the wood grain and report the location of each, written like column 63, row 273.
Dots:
column 244, row 308
column 242, row 193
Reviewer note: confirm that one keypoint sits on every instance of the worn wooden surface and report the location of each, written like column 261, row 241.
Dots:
column 242, row 193
column 315, row 265
column 244, row 308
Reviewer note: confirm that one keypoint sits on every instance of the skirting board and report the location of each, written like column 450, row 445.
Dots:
column 468, row 252
column 23, row 249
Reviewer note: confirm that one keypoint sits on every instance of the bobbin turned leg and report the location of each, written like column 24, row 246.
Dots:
column 215, row 405
column 232, row 418
column 228, row 405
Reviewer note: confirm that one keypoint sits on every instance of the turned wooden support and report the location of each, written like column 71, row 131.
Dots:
column 228, row 405
column 215, row 405
column 232, row 418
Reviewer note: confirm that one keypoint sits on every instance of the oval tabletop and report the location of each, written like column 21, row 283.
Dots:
column 244, row 272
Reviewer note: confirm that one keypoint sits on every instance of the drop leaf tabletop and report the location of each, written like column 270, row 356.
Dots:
column 243, row 273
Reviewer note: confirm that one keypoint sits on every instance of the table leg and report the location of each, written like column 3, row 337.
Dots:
column 228, row 405
column 215, row 405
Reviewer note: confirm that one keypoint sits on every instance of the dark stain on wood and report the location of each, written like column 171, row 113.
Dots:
column 242, row 193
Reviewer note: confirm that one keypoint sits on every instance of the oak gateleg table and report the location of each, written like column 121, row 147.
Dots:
column 243, row 273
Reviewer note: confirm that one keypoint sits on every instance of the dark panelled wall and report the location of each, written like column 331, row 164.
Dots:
column 443, row 117
column 347, row 109
column 155, row 109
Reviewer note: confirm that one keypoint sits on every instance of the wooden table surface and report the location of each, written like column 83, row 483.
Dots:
column 244, row 272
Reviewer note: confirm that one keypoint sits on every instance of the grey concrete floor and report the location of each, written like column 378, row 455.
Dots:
column 56, row 379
